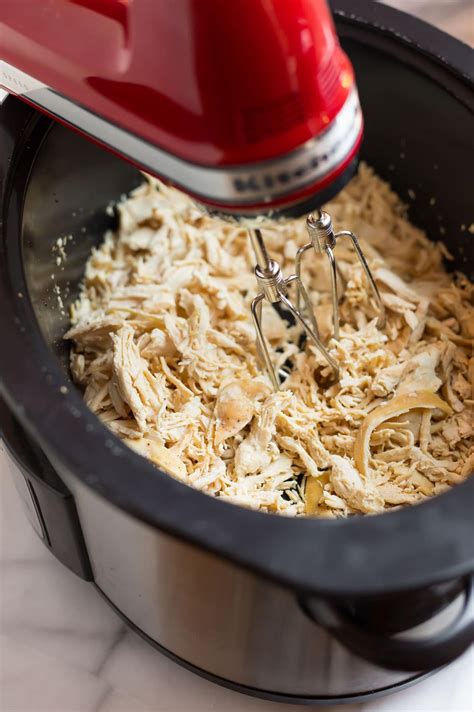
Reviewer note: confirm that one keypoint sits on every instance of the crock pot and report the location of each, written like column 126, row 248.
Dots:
column 301, row 610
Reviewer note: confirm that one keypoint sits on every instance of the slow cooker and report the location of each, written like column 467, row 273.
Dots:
column 300, row 610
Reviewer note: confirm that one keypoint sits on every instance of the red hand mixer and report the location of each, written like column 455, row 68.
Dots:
column 248, row 105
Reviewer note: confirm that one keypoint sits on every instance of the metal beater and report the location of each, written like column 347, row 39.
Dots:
column 274, row 289
column 323, row 239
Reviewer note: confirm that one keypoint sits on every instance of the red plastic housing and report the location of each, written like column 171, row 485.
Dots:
column 213, row 82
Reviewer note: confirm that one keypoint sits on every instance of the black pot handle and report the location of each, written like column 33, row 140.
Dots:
column 410, row 655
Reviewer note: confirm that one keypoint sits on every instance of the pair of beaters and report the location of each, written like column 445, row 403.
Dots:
column 274, row 288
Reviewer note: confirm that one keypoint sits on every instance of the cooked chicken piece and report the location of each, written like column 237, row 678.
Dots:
column 419, row 324
column 419, row 373
column 387, row 379
column 422, row 483
column 158, row 454
column 253, row 452
column 467, row 325
column 211, row 475
column 275, row 328
column 324, row 320
column 397, row 285
column 468, row 466
column 293, row 446
column 462, row 387
column 391, row 494
column 397, row 304
column 314, row 493
column 459, row 427
column 425, row 430
column 450, row 395
column 158, row 344
column 135, row 383
column 95, row 332
column 351, row 488
column 439, row 328
column 416, row 374
column 236, row 405
column 397, row 406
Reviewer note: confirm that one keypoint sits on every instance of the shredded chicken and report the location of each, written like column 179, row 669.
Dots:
column 164, row 348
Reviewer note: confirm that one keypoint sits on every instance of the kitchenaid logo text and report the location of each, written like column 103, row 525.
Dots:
column 15, row 80
column 307, row 166
column 257, row 183
column 11, row 82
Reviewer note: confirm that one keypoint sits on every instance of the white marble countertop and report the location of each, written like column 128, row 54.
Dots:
column 63, row 650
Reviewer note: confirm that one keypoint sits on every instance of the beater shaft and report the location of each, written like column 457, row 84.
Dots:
column 261, row 254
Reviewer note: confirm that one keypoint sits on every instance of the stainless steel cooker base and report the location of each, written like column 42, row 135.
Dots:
column 270, row 695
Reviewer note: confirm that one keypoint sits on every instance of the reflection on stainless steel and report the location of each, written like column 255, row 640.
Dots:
column 216, row 616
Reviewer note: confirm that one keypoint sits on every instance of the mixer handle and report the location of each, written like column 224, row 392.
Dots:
column 397, row 653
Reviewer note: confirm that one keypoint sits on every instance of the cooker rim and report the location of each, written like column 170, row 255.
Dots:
column 338, row 558
column 402, row 28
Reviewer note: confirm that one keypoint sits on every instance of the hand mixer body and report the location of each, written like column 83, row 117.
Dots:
column 250, row 105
